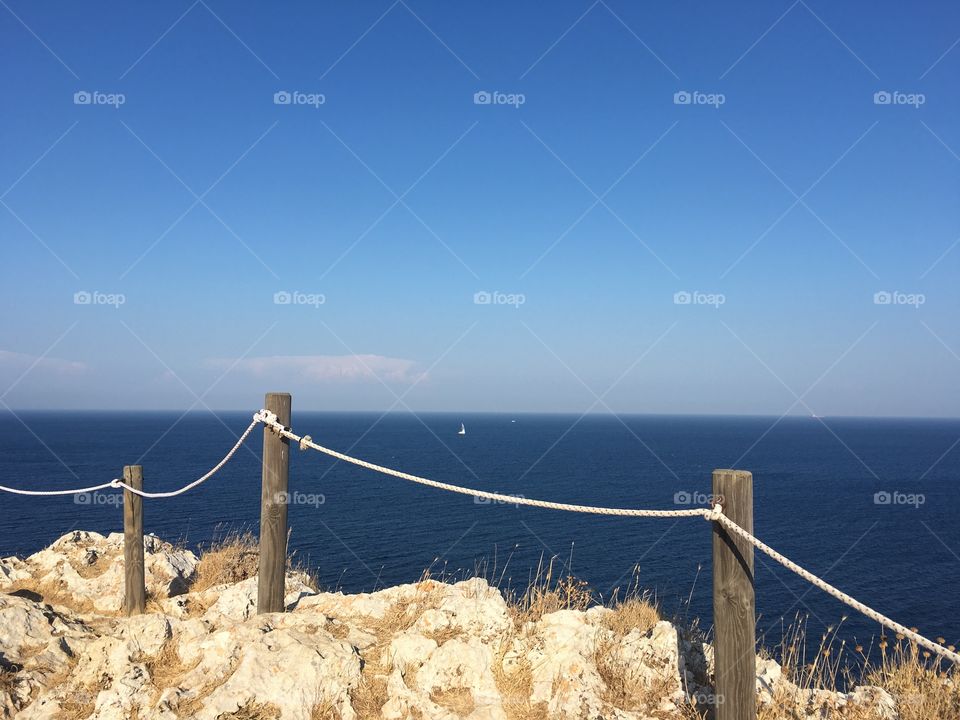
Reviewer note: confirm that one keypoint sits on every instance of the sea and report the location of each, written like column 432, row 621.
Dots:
column 870, row 505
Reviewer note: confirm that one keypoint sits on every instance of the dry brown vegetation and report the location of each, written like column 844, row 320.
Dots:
column 624, row 686
column 459, row 701
column 370, row 695
column 514, row 679
column 922, row 688
column 8, row 681
column 230, row 559
column 546, row 593
column 167, row 666
column 235, row 557
column 54, row 593
column 634, row 613
column 79, row 705
column 253, row 711
column 95, row 566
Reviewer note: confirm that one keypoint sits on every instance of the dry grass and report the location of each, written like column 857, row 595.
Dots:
column 545, row 594
column 8, row 682
column 443, row 634
column 190, row 707
column 53, row 592
column 99, row 565
column 253, row 711
column 459, row 701
column 401, row 616
column 325, row 710
column 230, row 559
column 515, row 685
column 624, row 686
column 634, row 613
column 80, row 704
column 922, row 687
column 369, row 696
column 167, row 666
column 235, row 557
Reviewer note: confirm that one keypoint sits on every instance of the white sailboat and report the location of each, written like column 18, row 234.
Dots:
column 462, row 430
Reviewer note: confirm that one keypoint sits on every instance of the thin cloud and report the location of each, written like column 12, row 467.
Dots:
column 327, row 368
column 19, row 362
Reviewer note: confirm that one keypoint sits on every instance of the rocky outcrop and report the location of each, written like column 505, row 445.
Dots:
column 424, row 650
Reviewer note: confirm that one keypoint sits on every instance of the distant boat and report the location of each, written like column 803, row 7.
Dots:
column 462, row 430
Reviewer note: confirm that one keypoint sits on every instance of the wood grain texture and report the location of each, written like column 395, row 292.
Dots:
column 135, row 590
column 273, row 508
column 734, row 602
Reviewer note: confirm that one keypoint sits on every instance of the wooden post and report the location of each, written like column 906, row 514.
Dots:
column 734, row 603
column 273, row 508
column 135, row 590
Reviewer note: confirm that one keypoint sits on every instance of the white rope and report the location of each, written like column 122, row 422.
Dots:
column 839, row 594
column 46, row 493
column 118, row 484
column 714, row 514
column 305, row 441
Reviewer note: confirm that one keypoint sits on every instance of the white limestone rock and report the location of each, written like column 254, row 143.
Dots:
column 440, row 650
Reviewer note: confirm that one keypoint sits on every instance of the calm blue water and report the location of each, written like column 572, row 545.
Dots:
column 814, row 500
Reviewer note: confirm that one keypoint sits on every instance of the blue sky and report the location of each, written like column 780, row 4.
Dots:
column 587, row 199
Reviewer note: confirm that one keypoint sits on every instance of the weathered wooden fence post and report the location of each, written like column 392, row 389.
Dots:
column 734, row 603
column 135, row 590
column 273, row 508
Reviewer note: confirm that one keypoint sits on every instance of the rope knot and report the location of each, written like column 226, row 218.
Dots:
column 266, row 417
column 304, row 442
column 116, row 483
column 714, row 513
